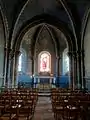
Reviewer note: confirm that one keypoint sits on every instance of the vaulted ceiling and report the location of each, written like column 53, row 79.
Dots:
column 48, row 37
column 69, row 12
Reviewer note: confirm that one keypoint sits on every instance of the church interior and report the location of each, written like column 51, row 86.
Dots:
column 44, row 60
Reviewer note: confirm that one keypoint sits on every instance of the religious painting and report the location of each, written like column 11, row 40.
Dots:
column 45, row 62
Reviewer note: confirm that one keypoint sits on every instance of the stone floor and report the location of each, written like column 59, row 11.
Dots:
column 43, row 109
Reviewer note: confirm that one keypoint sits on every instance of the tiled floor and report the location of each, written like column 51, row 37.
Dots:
column 43, row 109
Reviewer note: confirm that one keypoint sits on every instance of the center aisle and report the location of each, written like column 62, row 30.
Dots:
column 43, row 109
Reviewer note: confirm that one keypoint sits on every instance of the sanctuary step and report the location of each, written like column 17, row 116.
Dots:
column 45, row 86
column 44, row 89
column 44, row 94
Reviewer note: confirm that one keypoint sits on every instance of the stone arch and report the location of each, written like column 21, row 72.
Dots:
column 45, row 26
column 85, row 47
column 84, row 25
column 3, row 49
column 48, row 20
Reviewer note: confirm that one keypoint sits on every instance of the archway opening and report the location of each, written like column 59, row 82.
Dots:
column 45, row 45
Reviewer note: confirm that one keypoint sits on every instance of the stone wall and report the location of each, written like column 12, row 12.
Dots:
column 87, row 54
column 1, row 52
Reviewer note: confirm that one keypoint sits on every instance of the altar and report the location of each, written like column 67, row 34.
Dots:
column 44, row 83
column 44, row 79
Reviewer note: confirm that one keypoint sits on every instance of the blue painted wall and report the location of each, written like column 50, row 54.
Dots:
column 24, row 80
column 62, row 81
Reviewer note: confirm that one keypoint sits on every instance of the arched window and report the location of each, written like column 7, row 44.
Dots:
column 65, row 62
column 20, row 63
column 44, row 62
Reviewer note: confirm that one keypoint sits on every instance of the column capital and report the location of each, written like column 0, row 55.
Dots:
column 33, row 58
column 76, row 53
column 17, row 53
column 14, row 53
column 10, row 53
column 57, row 57
column 69, row 53
column 80, row 51
column 83, row 53
column 8, row 49
column 72, row 54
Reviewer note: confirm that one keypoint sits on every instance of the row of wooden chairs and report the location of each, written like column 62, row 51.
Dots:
column 18, row 104
column 70, row 105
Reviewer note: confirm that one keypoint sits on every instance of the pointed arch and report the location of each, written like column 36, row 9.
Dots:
column 84, row 26
column 70, row 16
column 51, row 20
column 44, row 25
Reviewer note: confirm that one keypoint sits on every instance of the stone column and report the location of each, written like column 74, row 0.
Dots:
column 10, row 64
column 17, row 53
column 4, row 67
column 83, row 70
column 34, row 64
column 79, row 74
column 13, row 68
column 74, row 69
column 32, row 71
column 9, row 77
column 57, row 66
column 58, row 58
column 8, row 50
column 60, row 64
column 12, row 56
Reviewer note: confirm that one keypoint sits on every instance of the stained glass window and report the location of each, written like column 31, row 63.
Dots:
column 45, row 62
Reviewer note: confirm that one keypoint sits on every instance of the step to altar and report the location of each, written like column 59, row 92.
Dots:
column 44, row 94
